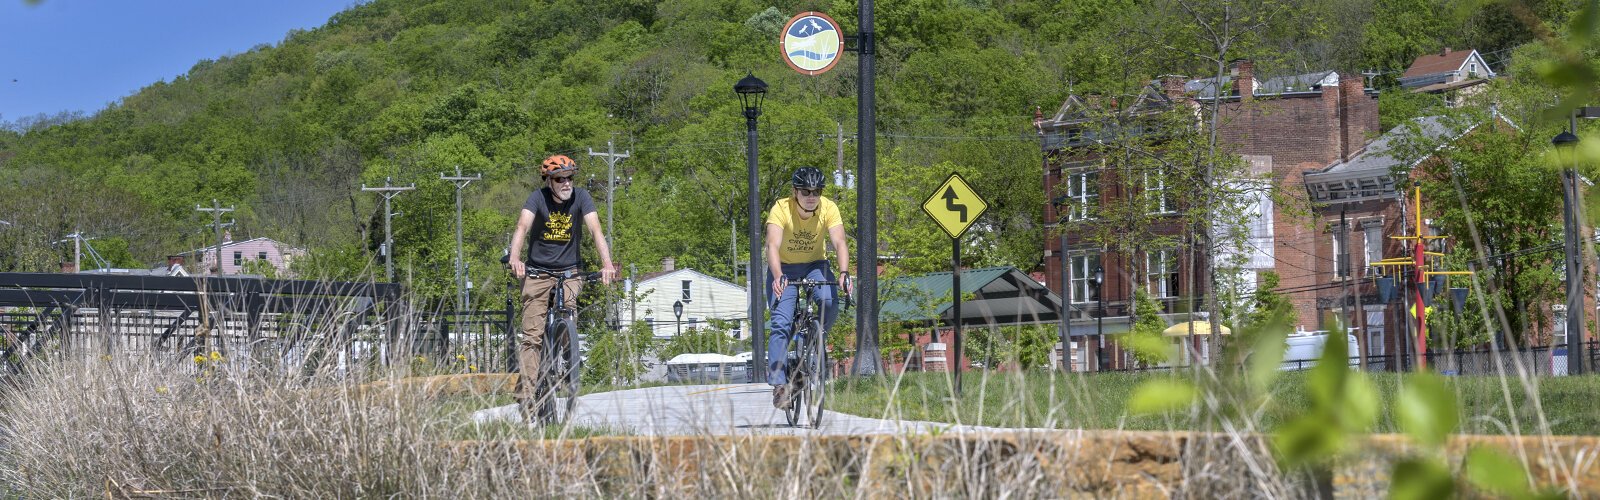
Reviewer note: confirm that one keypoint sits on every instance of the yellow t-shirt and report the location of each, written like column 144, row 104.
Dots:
column 804, row 240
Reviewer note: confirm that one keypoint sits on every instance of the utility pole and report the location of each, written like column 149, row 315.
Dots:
column 460, row 182
column 612, row 157
column 389, row 192
column 216, row 221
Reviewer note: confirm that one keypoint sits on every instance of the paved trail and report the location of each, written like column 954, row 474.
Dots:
column 713, row 410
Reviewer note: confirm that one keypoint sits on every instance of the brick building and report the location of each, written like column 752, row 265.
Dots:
column 1281, row 126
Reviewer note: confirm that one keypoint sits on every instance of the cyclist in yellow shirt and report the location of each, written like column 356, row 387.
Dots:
column 795, row 250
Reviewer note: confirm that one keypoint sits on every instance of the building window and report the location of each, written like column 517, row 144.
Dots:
column 261, row 255
column 238, row 258
column 1161, row 273
column 686, row 295
column 1374, row 237
column 1155, row 192
column 1341, row 259
column 1083, row 194
column 694, row 322
column 1083, row 288
column 650, row 322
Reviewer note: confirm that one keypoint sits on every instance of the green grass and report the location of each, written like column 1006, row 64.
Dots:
column 1099, row 401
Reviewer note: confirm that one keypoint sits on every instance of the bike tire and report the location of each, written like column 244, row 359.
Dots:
column 574, row 365
column 815, row 371
column 792, row 412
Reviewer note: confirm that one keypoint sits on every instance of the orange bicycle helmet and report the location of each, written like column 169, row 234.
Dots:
column 557, row 164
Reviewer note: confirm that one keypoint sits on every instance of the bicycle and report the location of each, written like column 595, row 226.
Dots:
column 561, row 364
column 806, row 362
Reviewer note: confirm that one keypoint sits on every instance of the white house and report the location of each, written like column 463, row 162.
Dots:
column 1456, row 74
column 703, row 297
column 235, row 254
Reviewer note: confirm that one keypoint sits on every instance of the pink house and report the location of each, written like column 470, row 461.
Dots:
column 237, row 254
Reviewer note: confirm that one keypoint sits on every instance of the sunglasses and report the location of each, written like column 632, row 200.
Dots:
column 561, row 180
column 808, row 192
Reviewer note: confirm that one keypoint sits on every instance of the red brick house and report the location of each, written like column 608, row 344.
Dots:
column 1281, row 126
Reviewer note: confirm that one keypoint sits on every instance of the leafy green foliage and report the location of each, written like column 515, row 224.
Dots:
column 616, row 356
column 714, row 340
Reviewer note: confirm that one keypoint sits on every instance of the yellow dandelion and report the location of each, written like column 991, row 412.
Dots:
column 161, row 390
column 198, row 359
column 421, row 359
column 461, row 357
column 105, row 357
column 472, row 368
column 216, row 356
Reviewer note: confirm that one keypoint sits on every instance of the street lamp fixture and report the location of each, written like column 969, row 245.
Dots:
column 752, row 91
column 677, row 310
column 1102, row 357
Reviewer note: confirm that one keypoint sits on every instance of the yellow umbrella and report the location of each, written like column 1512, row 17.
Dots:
column 1200, row 328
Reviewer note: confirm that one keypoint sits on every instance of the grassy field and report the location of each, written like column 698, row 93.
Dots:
column 1099, row 401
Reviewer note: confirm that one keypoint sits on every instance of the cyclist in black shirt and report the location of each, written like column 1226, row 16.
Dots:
column 547, row 237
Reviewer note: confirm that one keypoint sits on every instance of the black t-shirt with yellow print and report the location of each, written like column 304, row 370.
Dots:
column 557, row 230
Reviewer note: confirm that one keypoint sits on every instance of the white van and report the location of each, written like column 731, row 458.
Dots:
column 1305, row 348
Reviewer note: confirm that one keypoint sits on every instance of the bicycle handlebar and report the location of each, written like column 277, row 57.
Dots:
column 848, row 299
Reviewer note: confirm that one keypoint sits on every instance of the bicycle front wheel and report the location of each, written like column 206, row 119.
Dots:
column 793, row 377
column 571, row 374
column 816, row 374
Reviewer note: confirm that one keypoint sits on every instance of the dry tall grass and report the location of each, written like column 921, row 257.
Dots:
column 80, row 426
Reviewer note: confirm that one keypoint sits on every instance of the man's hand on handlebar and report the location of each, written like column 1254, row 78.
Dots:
column 519, row 269
column 608, row 274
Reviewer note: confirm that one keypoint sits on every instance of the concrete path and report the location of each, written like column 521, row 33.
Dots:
column 729, row 409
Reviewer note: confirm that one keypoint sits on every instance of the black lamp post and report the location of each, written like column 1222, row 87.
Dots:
column 1102, row 357
column 677, row 310
column 1565, row 143
column 751, row 92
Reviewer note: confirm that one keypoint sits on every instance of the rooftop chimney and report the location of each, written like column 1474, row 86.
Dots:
column 1172, row 86
column 1244, row 81
column 668, row 263
column 1446, row 52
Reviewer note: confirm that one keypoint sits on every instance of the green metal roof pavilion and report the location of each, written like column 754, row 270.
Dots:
column 993, row 296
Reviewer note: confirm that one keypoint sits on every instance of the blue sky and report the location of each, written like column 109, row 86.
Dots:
column 65, row 55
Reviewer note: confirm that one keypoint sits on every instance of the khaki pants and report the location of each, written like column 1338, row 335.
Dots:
column 535, row 302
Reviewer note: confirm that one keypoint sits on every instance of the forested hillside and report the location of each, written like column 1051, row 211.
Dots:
column 403, row 90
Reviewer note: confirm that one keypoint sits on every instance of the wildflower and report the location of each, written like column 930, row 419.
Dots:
column 216, row 356
column 472, row 368
column 161, row 390
column 199, row 360
column 105, row 357
column 422, row 359
column 461, row 357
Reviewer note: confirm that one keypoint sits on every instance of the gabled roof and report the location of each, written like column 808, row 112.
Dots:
column 675, row 273
column 1077, row 108
column 1442, row 62
column 226, row 244
column 1000, row 296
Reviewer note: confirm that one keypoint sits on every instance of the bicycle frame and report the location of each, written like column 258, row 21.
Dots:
column 559, row 320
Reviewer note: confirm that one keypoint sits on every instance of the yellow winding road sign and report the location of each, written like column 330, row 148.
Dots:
column 954, row 206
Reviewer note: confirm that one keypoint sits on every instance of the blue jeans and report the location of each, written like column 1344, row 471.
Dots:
column 780, row 330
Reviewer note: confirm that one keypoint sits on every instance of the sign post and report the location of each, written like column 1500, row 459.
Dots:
column 954, row 206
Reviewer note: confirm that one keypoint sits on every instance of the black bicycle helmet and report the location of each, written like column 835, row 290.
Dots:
column 808, row 178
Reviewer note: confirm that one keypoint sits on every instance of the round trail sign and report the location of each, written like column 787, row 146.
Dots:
column 812, row 43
